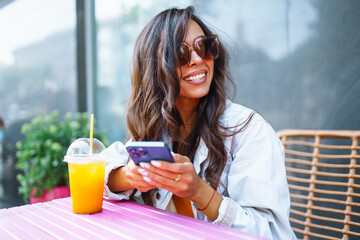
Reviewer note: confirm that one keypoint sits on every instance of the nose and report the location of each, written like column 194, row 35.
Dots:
column 195, row 58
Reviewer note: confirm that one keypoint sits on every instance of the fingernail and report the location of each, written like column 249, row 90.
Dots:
column 156, row 163
column 147, row 179
column 145, row 165
column 143, row 172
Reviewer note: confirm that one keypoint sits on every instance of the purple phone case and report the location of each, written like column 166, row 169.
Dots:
column 145, row 152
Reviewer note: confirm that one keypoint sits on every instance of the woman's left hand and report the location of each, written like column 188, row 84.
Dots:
column 179, row 177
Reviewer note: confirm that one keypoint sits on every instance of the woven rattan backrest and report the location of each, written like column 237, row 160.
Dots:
column 323, row 172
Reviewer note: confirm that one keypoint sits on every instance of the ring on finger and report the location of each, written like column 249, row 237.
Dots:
column 178, row 178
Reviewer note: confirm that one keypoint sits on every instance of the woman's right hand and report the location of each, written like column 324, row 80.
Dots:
column 134, row 177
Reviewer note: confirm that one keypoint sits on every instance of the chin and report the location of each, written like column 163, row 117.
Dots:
column 196, row 95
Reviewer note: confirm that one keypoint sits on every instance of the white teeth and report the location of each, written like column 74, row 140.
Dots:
column 196, row 77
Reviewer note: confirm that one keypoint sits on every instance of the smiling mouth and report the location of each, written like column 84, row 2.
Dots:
column 195, row 77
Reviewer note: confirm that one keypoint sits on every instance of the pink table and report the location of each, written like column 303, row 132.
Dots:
column 118, row 220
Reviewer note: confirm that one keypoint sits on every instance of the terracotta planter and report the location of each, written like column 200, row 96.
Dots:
column 54, row 193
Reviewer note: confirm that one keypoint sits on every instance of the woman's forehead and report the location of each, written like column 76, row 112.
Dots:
column 193, row 31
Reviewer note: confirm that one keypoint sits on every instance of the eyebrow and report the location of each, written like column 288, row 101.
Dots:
column 194, row 40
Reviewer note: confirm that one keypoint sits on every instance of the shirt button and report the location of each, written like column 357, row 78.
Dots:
column 158, row 196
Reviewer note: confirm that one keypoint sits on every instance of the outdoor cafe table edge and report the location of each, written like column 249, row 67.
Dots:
column 117, row 220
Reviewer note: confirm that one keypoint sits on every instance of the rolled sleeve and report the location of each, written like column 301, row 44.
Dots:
column 115, row 156
column 247, row 219
column 227, row 212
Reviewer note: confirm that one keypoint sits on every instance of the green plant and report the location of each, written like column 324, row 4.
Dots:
column 42, row 151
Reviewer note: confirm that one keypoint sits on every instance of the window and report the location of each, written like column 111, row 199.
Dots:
column 37, row 60
column 37, row 73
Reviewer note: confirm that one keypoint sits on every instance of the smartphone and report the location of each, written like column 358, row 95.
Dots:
column 145, row 151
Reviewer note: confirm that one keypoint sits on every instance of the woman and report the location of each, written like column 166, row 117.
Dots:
column 229, row 162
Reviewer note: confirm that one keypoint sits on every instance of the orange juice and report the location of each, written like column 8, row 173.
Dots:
column 86, row 186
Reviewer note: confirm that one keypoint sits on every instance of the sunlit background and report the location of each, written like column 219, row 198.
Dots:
column 296, row 62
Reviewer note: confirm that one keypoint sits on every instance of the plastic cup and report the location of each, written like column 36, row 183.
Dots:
column 86, row 175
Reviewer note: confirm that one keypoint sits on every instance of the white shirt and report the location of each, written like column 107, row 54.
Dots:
column 256, row 199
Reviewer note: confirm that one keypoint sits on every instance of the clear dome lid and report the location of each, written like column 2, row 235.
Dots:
column 79, row 150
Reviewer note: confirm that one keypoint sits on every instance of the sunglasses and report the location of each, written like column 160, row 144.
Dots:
column 207, row 47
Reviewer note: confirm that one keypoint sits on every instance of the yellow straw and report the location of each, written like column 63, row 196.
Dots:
column 91, row 132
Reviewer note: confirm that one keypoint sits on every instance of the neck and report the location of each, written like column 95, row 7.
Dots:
column 187, row 109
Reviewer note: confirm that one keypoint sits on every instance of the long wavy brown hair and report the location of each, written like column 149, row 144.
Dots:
column 152, row 114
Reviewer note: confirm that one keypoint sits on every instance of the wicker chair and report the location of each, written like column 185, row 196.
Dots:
column 323, row 172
